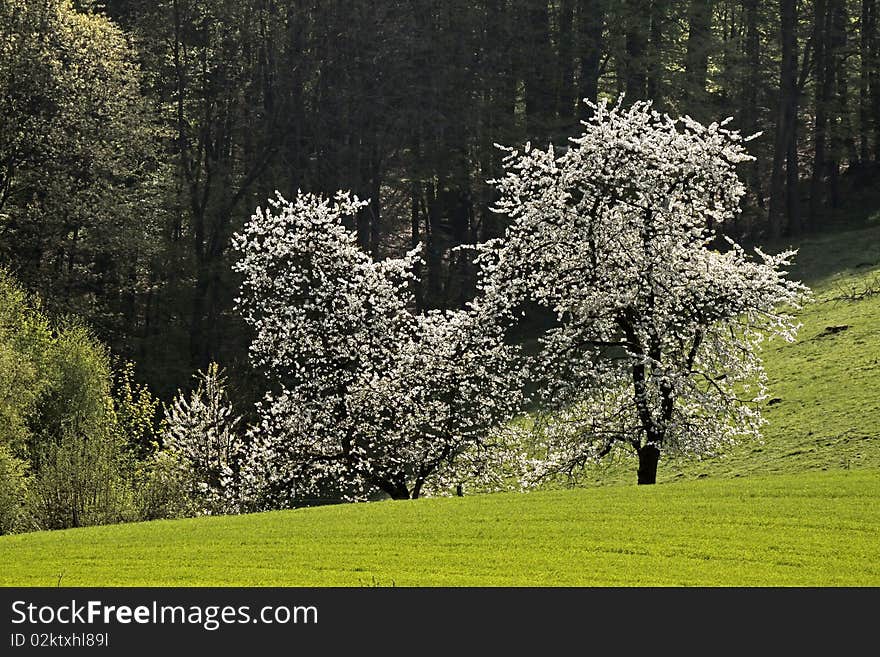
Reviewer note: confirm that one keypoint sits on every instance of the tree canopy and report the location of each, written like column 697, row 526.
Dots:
column 658, row 323
column 366, row 394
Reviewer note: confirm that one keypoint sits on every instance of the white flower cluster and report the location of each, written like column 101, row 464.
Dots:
column 658, row 319
column 200, row 441
column 367, row 396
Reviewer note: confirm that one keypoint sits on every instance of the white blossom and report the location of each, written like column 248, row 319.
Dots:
column 368, row 397
column 658, row 320
column 200, row 439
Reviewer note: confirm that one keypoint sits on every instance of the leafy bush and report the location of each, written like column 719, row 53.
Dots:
column 136, row 410
column 78, row 454
column 13, row 491
column 25, row 338
column 59, row 422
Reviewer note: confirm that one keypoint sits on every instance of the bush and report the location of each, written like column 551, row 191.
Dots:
column 80, row 483
column 79, row 457
column 13, row 492
column 59, row 422
column 25, row 338
column 196, row 470
column 167, row 489
column 136, row 410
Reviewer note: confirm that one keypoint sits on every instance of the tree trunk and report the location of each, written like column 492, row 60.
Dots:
column 792, row 177
column 591, row 24
column 874, row 74
column 823, row 86
column 750, row 99
column 537, row 67
column 783, row 197
column 416, row 238
column 635, row 76
column 655, row 67
column 499, row 111
column 842, row 143
column 697, row 58
column 649, row 456
column 865, row 68
column 433, row 249
column 565, row 95
column 398, row 491
column 375, row 205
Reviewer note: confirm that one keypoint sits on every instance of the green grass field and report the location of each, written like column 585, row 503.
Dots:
column 809, row 530
column 801, row 508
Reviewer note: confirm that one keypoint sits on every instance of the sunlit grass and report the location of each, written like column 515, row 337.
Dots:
column 811, row 529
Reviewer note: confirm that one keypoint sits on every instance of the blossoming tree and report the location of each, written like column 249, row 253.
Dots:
column 659, row 320
column 367, row 396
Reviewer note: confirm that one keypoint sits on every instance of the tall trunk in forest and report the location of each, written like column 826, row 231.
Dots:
column 375, row 203
column 874, row 72
column 784, row 216
column 794, row 220
column 498, row 107
column 750, row 91
column 433, row 246
column 294, row 147
column 655, row 65
column 697, row 58
column 842, row 142
column 416, row 239
column 537, row 62
column 824, row 83
column 635, row 64
column 866, row 66
column 565, row 101
column 457, row 197
column 591, row 26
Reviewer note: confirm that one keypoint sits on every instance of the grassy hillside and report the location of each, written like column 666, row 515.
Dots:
column 814, row 529
column 825, row 388
column 800, row 509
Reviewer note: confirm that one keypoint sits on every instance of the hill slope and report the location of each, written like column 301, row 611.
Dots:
column 809, row 530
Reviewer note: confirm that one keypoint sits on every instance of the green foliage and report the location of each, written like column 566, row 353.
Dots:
column 61, row 421
column 136, row 410
column 76, row 156
column 80, row 482
column 13, row 492
column 25, row 339
column 77, row 399
column 813, row 529
column 77, row 451
column 165, row 488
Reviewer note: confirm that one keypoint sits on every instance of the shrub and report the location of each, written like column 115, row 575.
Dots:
column 196, row 470
column 79, row 458
column 62, row 425
column 25, row 338
column 13, row 492
column 136, row 410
